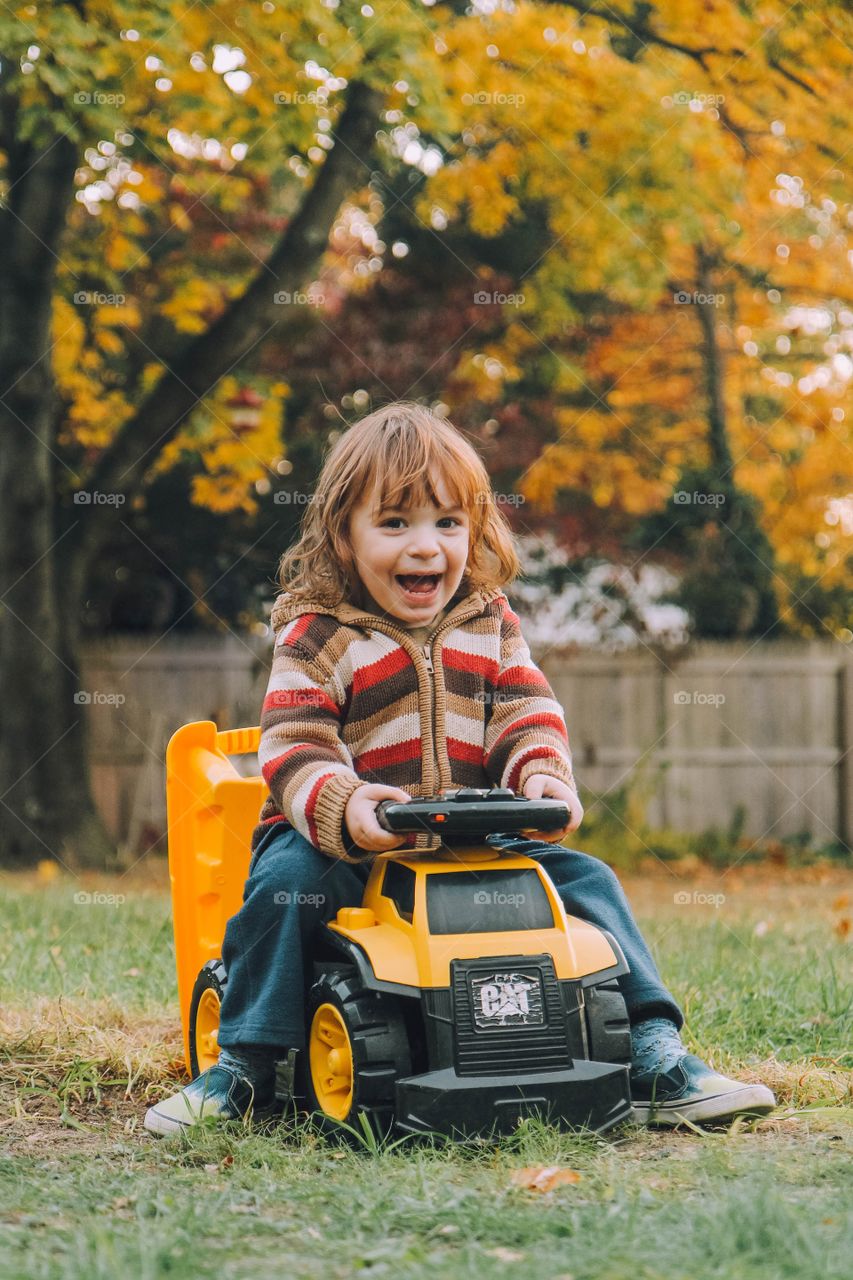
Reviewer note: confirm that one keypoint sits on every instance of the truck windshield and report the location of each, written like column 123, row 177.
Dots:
column 487, row 902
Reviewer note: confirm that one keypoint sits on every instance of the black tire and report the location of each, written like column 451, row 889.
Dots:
column 376, row 1031
column 212, row 977
column 607, row 1023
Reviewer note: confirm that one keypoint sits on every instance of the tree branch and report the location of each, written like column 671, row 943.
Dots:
column 246, row 321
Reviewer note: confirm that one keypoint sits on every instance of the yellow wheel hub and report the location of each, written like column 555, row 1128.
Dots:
column 207, row 1030
column 330, row 1060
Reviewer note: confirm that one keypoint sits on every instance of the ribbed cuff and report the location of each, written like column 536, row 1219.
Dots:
column 329, row 810
column 550, row 765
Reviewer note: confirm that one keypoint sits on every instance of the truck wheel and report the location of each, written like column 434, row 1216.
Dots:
column 204, row 1016
column 607, row 1023
column 357, row 1051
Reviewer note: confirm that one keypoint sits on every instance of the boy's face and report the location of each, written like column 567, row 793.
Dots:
column 410, row 560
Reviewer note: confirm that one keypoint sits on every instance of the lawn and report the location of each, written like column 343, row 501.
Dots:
column 760, row 959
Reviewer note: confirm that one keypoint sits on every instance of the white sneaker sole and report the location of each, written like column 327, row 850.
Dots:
column 755, row 1099
column 161, row 1124
column 157, row 1122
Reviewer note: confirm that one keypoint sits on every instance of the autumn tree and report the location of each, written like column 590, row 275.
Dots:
column 173, row 181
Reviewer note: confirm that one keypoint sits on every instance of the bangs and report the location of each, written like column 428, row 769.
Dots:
column 413, row 465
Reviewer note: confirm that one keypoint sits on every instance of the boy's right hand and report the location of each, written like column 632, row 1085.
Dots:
column 360, row 817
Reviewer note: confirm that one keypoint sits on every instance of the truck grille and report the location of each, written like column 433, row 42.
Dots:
column 509, row 1016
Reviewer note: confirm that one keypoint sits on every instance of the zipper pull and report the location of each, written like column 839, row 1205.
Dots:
column 428, row 657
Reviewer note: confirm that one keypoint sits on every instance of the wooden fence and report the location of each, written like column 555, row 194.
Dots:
column 768, row 726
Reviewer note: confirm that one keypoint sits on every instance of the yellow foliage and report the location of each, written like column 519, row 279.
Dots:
column 193, row 304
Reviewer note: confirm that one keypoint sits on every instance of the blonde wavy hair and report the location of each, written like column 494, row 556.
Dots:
column 403, row 449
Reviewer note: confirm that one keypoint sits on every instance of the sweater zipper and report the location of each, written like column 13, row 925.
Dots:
column 398, row 634
column 431, row 674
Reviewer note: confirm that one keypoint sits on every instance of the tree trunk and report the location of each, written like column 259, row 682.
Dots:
column 744, row 558
column 44, row 789
column 46, row 808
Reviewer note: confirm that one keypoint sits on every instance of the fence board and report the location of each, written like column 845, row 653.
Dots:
column 766, row 726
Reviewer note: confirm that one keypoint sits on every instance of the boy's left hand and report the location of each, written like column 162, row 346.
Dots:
column 540, row 785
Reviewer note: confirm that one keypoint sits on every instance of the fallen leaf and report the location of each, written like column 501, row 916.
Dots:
column 131, row 973
column 46, row 870
column 842, row 902
column 842, row 926
column 544, row 1177
column 505, row 1255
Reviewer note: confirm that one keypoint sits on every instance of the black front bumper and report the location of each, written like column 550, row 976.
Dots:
column 588, row 1095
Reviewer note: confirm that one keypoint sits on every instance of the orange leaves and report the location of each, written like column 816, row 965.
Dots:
column 544, row 1178
column 842, row 926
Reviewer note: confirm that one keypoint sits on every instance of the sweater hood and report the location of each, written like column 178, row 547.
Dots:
column 285, row 608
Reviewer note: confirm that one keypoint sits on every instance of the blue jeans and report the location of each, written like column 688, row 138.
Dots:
column 292, row 889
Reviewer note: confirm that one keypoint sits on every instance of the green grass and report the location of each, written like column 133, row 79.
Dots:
column 89, row 1036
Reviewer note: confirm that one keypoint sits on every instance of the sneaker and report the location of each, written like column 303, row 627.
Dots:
column 691, row 1090
column 217, row 1092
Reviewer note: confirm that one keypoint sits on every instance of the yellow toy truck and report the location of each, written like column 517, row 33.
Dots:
column 458, row 997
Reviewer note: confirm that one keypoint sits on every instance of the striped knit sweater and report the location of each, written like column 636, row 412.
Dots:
column 353, row 698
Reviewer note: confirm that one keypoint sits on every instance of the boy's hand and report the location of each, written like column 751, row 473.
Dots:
column 540, row 785
column 360, row 817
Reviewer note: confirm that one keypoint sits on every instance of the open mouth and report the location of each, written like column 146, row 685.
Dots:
column 419, row 586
